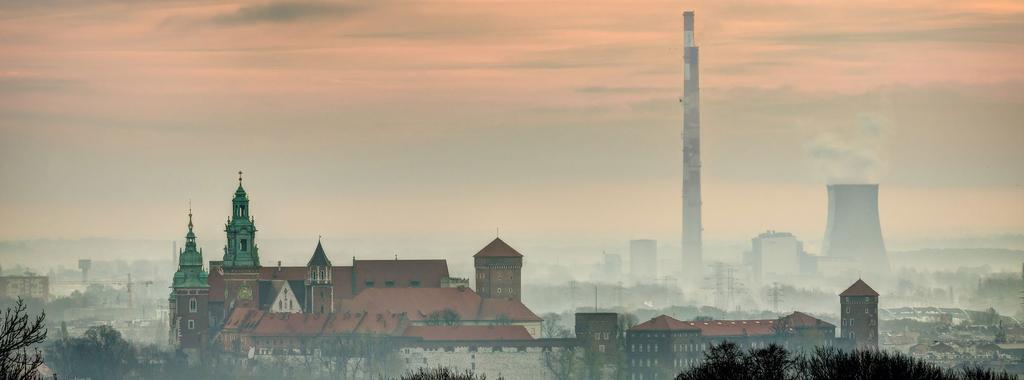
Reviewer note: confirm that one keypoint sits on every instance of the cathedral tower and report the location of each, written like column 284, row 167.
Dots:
column 241, row 255
column 498, row 271
column 190, row 293
column 319, row 285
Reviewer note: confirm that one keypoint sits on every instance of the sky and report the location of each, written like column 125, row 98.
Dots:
column 389, row 120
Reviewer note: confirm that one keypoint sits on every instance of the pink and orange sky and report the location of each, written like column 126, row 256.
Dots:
column 557, row 122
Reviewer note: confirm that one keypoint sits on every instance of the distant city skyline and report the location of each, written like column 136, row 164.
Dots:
column 556, row 123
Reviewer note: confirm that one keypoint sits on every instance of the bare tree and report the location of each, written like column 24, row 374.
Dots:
column 19, row 360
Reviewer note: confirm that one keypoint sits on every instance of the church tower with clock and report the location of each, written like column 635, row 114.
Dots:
column 241, row 255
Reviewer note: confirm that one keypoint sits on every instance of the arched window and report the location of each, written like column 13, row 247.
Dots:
column 193, row 305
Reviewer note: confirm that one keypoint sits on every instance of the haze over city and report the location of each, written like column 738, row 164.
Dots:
column 550, row 133
column 555, row 122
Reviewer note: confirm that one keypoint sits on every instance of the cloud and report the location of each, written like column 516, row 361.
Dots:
column 287, row 12
column 620, row 89
column 1005, row 29
column 16, row 83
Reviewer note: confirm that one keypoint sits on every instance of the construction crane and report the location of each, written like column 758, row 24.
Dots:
column 128, row 284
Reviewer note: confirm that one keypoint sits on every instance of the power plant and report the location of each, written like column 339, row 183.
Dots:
column 854, row 232
column 693, row 228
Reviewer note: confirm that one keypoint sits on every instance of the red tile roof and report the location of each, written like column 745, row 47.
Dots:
column 662, row 323
column 859, row 288
column 498, row 248
column 287, row 324
column 341, row 278
column 416, row 303
column 441, row 333
column 391, row 311
column 243, row 319
column 383, row 323
column 732, row 328
column 800, row 320
column 495, row 308
column 340, row 323
column 736, row 328
column 402, row 272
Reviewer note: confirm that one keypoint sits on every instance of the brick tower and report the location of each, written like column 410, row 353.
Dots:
column 319, row 285
column 190, row 293
column 859, row 311
column 498, row 271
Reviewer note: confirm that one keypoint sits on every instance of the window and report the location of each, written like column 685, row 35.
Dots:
column 191, row 324
column 499, row 290
column 389, row 284
column 414, row 284
column 600, row 348
column 369, row 284
column 243, row 244
column 193, row 305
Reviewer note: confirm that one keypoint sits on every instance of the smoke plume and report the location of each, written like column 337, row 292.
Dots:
column 851, row 155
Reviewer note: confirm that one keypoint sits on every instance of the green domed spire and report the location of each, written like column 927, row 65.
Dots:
column 241, row 250
column 190, row 272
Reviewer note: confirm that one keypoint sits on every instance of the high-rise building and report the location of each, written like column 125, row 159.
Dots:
column 779, row 253
column 693, row 227
column 611, row 268
column 643, row 260
column 859, row 315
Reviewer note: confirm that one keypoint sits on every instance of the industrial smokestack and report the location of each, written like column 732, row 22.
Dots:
column 854, row 231
column 692, row 226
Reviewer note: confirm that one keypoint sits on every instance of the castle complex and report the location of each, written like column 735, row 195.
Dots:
column 420, row 316
column 240, row 301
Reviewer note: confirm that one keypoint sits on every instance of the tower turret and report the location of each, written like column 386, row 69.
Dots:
column 499, row 271
column 241, row 249
column 189, row 298
column 241, row 255
column 319, row 284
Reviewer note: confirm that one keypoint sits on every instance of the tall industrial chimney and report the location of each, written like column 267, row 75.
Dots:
column 854, row 231
column 692, row 225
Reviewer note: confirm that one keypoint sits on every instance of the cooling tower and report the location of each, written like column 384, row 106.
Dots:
column 854, row 231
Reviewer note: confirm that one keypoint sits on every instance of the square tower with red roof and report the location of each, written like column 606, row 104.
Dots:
column 499, row 271
column 859, row 311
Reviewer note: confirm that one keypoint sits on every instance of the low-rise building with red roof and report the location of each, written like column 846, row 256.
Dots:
column 663, row 346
